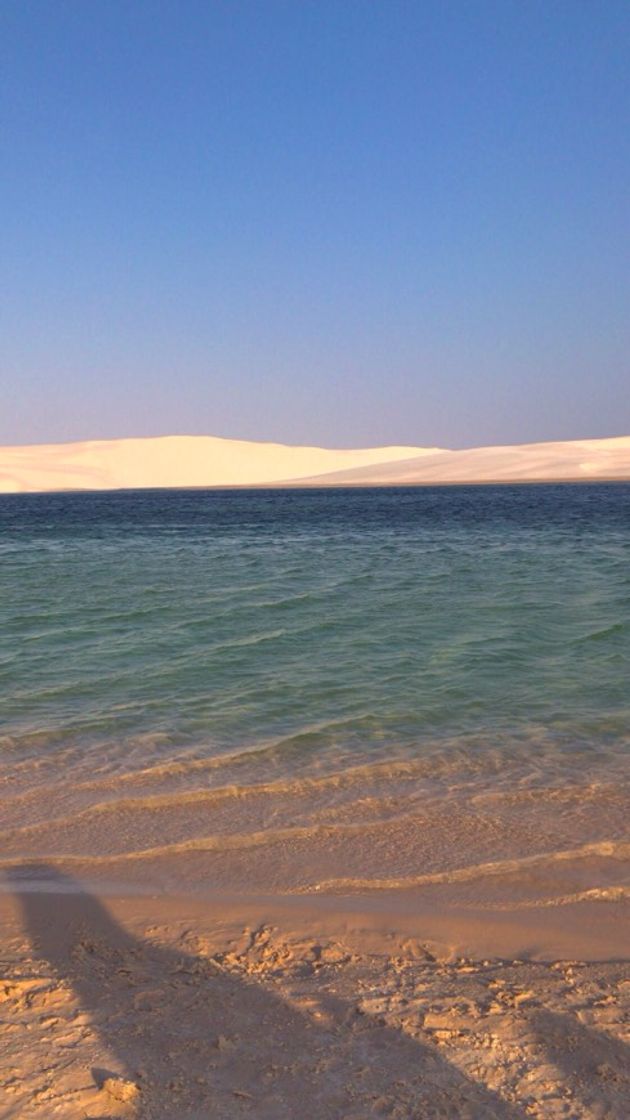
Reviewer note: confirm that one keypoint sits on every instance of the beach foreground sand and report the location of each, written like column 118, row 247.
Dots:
column 438, row 937
column 156, row 1007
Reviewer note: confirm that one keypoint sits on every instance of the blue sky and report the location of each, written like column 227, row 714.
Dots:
column 335, row 222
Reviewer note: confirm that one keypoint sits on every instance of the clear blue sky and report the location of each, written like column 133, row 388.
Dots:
column 344, row 222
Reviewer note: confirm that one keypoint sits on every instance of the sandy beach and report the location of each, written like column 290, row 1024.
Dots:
column 481, row 987
column 163, row 1008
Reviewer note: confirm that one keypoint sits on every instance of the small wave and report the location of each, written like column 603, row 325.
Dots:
column 433, row 765
column 249, row 640
column 357, row 778
column 618, row 893
column 235, row 841
column 610, row 850
column 206, row 797
column 601, row 634
column 606, row 849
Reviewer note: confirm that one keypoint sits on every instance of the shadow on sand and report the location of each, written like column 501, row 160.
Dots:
column 202, row 1043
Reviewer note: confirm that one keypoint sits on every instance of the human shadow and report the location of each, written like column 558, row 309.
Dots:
column 202, row 1043
column 597, row 1065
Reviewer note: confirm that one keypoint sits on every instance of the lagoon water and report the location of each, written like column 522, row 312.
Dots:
column 366, row 687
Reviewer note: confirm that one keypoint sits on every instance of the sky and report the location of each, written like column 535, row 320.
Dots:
column 339, row 222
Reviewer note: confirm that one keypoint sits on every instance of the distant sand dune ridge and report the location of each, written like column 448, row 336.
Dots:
column 171, row 461
column 182, row 461
column 569, row 460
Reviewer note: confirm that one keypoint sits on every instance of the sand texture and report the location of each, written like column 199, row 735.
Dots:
column 148, row 1010
column 180, row 461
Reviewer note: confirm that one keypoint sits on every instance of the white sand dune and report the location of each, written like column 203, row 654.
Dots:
column 176, row 461
column 171, row 461
column 574, row 460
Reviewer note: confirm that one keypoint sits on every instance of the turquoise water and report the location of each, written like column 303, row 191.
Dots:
column 218, row 619
column 306, row 631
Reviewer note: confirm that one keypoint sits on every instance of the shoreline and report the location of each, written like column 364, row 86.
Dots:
column 588, row 930
column 226, row 488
